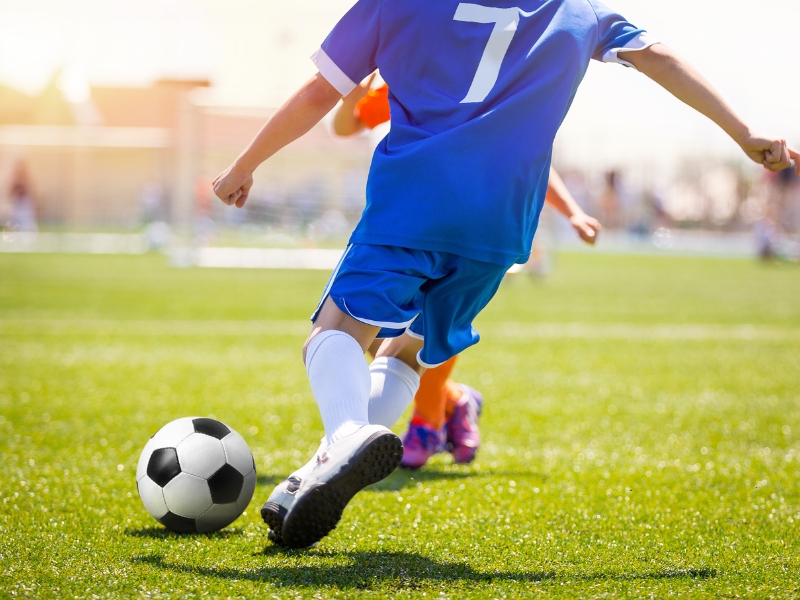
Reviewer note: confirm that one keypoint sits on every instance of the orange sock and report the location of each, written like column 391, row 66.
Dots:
column 453, row 394
column 430, row 403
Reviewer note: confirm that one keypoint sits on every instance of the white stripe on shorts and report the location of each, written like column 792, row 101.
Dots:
column 380, row 324
column 332, row 279
column 426, row 365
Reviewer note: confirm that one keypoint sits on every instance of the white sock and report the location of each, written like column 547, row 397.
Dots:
column 340, row 382
column 394, row 385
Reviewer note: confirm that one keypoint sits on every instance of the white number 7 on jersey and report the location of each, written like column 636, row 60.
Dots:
column 505, row 26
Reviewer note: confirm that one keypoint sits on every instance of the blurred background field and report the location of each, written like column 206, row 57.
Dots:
column 115, row 117
column 641, row 435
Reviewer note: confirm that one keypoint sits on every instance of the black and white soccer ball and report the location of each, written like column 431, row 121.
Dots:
column 196, row 475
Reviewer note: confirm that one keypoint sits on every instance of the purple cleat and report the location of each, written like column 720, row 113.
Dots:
column 463, row 436
column 420, row 442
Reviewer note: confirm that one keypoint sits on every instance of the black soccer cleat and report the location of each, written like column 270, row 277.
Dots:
column 277, row 505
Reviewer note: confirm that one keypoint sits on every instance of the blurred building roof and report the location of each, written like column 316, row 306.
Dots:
column 15, row 106
column 155, row 106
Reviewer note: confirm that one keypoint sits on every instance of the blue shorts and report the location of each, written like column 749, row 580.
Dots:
column 434, row 296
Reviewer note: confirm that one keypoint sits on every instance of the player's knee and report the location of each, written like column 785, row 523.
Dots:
column 404, row 348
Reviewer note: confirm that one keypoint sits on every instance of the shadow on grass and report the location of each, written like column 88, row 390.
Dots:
column 162, row 533
column 364, row 570
column 662, row 574
column 361, row 570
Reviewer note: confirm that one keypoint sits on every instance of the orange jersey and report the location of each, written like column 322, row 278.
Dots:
column 373, row 109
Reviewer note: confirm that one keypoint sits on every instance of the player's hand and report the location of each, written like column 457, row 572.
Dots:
column 586, row 227
column 770, row 152
column 232, row 186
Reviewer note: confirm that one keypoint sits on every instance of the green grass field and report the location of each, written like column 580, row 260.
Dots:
column 642, row 436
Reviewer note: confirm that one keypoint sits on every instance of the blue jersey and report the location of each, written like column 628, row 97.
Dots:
column 477, row 94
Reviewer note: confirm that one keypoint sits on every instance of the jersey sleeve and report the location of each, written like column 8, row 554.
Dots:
column 617, row 36
column 348, row 53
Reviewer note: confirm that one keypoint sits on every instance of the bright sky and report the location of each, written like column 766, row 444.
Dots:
column 256, row 52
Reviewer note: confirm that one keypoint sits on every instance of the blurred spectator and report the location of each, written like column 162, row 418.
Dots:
column 661, row 217
column 355, row 184
column 576, row 182
column 204, row 226
column 540, row 263
column 158, row 235
column 153, row 208
column 308, row 201
column 266, row 206
column 722, row 191
column 768, row 235
column 152, row 202
column 649, row 214
column 23, row 213
column 772, row 239
column 787, row 190
column 609, row 201
column 330, row 225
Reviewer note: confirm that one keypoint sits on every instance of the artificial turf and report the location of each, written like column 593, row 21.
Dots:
column 641, row 435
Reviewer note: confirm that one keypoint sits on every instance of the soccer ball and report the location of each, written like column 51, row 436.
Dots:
column 196, row 475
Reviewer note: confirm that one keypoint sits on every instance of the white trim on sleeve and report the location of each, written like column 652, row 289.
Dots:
column 332, row 73
column 641, row 42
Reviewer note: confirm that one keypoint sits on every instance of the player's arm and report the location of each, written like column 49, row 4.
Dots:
column 664, row 66
column 297, row 116
column 560, row 198
column 346, row 121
